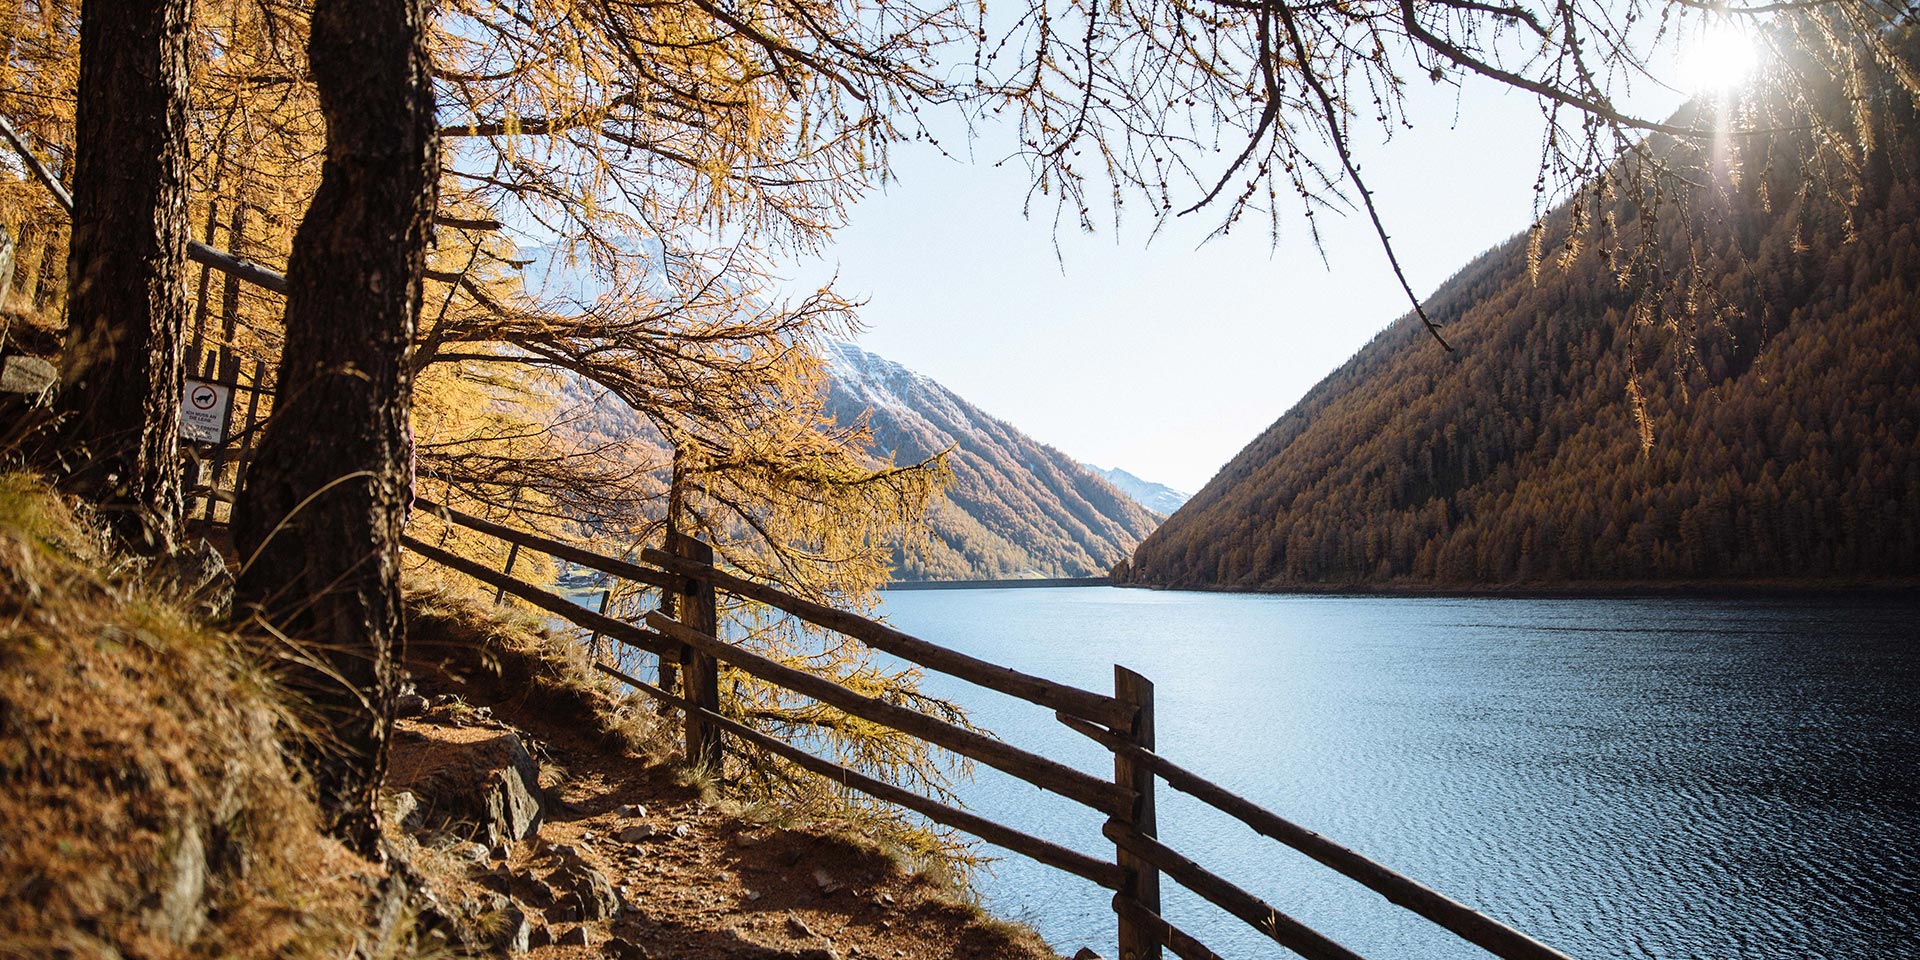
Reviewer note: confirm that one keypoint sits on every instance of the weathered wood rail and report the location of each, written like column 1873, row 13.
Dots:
column 691, row 640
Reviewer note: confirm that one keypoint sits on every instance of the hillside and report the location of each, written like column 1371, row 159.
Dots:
column 1016, row 508
column 154, row 810
column 1157, row 497
column 1783, row 414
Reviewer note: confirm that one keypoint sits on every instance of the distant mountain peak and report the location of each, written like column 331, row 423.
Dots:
column 1017, row 508
column 1158, row 497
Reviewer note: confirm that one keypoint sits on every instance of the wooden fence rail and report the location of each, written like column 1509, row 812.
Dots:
column 1037, row 770
column 1257, row 913
column 691, row 640
column 1053, row 855
column 1402, row 891
column 669, row 572
column 1085, row 704
column 625, row 570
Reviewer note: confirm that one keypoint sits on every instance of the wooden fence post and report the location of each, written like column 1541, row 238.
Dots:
column 1140, row 881
column 246, row 430
column 593, row 642
column 699, row 672
column 513, row 553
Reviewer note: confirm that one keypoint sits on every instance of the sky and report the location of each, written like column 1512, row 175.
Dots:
column 1161, row 354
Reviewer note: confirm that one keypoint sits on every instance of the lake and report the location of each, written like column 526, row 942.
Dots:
column 1646, row 778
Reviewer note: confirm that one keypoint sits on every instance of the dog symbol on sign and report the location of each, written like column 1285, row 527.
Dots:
column 203, row 397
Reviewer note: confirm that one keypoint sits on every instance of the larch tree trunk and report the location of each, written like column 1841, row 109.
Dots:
column 319, row 522
column 121, row 370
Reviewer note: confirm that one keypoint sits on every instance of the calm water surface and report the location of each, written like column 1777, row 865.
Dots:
column 1620, row 778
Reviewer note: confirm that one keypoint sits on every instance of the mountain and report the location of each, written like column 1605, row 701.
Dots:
column 1157, row 497
column 1780, row 385
column 1016, row 508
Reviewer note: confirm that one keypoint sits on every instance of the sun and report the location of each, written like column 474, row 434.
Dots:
column 1717, row 57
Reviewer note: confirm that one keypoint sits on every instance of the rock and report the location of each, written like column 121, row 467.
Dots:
column 491, row 784
column 620, row 948
column 1087, row 953
column 635, row 833
column 751, row 895
column 540, row 936
column 198, row 573
column 470, row 852
column 824, row 880
column 816, row 953
column 395, row 916
column 409, row 705
column 182, row 909
column 538, row 892
column 798, row 927
column 631, row 810
column 515, row 930
column 576, row 937
column 681, row 831
column 401, row 806
column 887, row 898
column 499, row 852
column 513, row 805
column 590, row 892
column 20, row 373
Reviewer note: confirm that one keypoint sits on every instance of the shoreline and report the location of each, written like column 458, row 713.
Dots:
column 1894, row 589
column 1586, row 590
column 1027, row 584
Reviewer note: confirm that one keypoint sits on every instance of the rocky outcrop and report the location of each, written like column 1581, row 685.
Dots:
column 487, row 789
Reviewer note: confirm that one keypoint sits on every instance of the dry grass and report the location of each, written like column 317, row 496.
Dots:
column 511, row 652
column 148, row 809
column 507, row 653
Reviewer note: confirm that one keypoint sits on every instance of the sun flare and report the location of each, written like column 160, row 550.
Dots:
column 1719, row 57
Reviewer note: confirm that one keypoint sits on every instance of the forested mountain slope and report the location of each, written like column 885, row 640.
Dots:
column 1016, row 508
column 1783, row 413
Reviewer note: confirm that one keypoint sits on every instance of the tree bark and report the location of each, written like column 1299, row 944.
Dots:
column 121, row 368
column 319, row 522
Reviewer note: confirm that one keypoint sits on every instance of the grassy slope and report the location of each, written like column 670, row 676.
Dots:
column 148, row 810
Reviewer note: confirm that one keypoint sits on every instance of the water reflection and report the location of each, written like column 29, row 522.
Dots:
column 1622, row 778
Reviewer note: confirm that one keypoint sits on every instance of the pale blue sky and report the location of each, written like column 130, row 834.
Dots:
column 1165, row 358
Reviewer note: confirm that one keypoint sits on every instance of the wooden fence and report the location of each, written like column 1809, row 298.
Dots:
column 223, row 464
column 684, row 633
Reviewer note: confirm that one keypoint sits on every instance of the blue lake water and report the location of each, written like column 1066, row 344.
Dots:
column 1647, row 778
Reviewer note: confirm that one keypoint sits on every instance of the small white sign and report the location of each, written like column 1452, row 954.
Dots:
column 203, row 411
